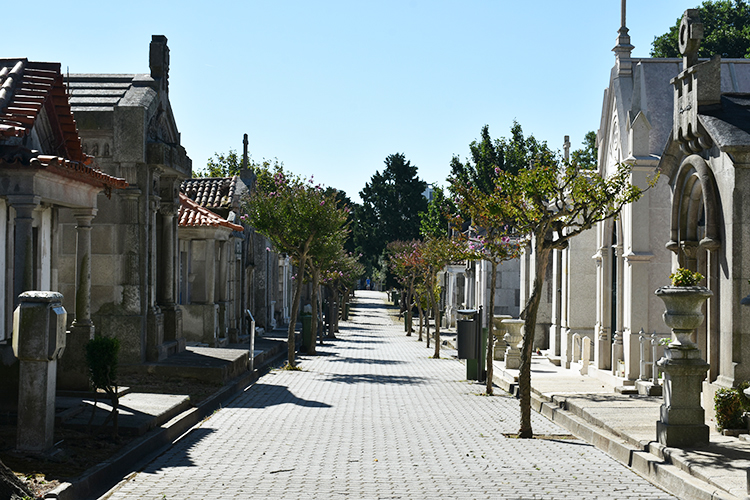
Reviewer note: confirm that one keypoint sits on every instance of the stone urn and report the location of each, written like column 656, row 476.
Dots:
column 683, row 314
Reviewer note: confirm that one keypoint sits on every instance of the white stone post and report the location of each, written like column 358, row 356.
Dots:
column 586, row 356
column 38, row 341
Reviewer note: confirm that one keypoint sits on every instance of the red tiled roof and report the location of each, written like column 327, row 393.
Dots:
column 211, row 192
column 27, row 88
column 194, row 215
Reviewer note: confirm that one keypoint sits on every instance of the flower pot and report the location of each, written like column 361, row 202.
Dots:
column 683, row 314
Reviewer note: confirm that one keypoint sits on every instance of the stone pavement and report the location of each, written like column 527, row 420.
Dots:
column 625, row 427
column 373, row 416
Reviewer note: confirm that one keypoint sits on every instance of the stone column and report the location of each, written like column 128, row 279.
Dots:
column 37, row 343
column 73, row 372
column 172, row 312
column 603, row 346
column 557, row 284
column 500, row 346
column 155, row 350
column 23, row 244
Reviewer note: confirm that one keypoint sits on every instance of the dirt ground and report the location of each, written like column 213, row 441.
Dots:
column 76, row 451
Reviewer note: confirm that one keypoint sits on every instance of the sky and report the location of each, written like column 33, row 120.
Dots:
column 331, row 88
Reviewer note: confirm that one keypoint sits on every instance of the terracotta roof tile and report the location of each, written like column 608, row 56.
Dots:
column 211, row 192
column 25, row 88
column 194, row 215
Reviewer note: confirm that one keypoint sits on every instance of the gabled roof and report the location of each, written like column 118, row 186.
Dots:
column 211, row 192
column 33, row 98
column 194, row 215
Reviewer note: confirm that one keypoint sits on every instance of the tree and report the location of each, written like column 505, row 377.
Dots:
column 549, row 203
column 406, row 264
column 295, row 215
column 438, row 252
column 726, row 28
column 390, row 208
column 230, row 164
column 587, row 156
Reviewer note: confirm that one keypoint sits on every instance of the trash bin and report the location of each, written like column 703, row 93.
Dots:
column 466, row 332
column 471, row 343
column 307, row 333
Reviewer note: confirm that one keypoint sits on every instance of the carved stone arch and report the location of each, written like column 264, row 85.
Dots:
column 694, row 200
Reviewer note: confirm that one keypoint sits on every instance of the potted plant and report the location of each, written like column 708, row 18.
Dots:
column 728, row 408
column 683, row 301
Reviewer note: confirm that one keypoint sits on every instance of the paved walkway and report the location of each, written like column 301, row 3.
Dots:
column 373, row 416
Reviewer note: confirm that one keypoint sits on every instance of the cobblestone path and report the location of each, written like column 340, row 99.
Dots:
column 373, row 416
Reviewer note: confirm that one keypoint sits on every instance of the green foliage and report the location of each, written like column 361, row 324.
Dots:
column 435, row 222
column 101, row 358
column 726, row 27
column 391, row 203
column 586, row 157
column 230, row 164
column 685, row 277
column 728, row 407
column 302, row 220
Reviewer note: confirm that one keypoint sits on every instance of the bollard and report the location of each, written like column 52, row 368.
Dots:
column 38, row 342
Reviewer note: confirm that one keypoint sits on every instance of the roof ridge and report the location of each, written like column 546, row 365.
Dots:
column 9, row 80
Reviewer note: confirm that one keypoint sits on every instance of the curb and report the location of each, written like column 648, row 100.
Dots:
column 669, row 473
column 101, row 478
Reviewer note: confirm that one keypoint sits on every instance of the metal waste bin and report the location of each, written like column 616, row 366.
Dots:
column 469, row 342
column 307, row 333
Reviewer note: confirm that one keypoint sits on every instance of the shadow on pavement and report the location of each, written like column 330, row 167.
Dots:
column 184, row 445
column 265, row 395
column 375, row 379
column 366, row 361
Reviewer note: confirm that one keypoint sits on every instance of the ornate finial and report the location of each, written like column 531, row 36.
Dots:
column 159, row 60
column 623, row 48
column 690, row 36
column 244, row 152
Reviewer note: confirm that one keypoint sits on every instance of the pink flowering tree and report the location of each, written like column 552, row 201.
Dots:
column 299, row 218
column 487, row 239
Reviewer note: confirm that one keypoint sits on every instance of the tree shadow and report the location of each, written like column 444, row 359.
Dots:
column 266, row 395
column 181, row 450
column 375, row 379
column 366, row 361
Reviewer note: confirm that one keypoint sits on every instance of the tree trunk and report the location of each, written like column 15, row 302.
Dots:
column 407, row 317
column 332, row 312
column 295, row 309
column 421, row 320
column 491, row 336
column 436, row 313
column 314, row 299
column 541, row 259
column 11, row 487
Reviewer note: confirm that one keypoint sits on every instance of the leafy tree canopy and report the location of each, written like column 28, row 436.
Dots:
column 230, row 164
column 391, row 203
column 435, row 222
column 726, row 28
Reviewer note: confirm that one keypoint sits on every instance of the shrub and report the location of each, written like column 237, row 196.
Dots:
column 685, row 277
column 728, row 407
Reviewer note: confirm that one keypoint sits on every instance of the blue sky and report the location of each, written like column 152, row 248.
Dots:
column 332, row 87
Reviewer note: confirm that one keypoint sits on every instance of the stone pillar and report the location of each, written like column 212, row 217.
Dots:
column 172, row 312
column 23, row 244
column 155, row 350
column 38, row 341
column 73, row 372
column 603, row 346
column 618, row 352
column 557, row 284
column 514, row 337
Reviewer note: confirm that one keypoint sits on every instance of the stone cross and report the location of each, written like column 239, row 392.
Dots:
column 690, row 36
